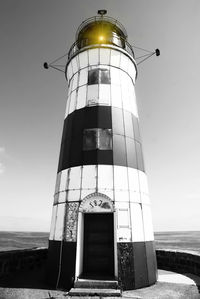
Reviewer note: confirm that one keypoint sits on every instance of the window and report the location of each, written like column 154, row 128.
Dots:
column 104, row 76
column 93, row 77
column 89, row 139
column 97, row 139
column 104, row 139
column 97, row 76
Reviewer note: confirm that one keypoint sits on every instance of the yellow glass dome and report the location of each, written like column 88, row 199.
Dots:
column 101, row 30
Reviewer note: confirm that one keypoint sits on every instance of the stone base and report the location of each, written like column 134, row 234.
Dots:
column 137, row 267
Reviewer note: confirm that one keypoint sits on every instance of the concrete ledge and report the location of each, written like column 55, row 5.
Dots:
column 168, row 286
column 14, row 261
column 178, row 261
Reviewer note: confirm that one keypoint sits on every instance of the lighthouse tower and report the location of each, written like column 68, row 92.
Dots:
column 101, row 222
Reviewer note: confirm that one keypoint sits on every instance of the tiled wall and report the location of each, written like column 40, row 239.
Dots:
column 126, row 187
column 119, row 93
column 101, row 96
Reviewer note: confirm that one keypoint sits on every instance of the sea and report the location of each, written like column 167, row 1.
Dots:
column 183, row 240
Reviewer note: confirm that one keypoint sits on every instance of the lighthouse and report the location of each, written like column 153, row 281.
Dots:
column 101, row 226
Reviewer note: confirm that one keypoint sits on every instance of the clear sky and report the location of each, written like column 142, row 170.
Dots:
column 32, row 104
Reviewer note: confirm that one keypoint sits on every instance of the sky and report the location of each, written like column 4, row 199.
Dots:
column 32, row 104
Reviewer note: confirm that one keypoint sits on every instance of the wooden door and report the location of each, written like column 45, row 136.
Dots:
column 98, row 258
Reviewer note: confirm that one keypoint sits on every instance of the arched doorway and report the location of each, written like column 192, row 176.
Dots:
column 96, row 238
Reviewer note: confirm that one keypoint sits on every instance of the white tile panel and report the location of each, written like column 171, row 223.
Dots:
column 123, row 235
column 67, row 106
column 72, row 105
column 148, row 226
column 132, row 99
column 124, row 62
column 81, row 97
column 83, row 59
column 105, row 177
column 89, row 177
column 104, row 94
column 132, row 70
column 127, row 104
column 121, row 196
column 57, row 187
column 128, row 125
column 86, row 192
column 69, row 71
column 73, row 195
column 69, row 89
column 75, row 65
column 70, row 86
column 93, row 57
column 135, row 197
column 131, row 87
column 53, row 222
column 123, row 214
column 143, row 182
column 104, row 56
column 115, row 58
column 137, row 223
column 75, row 81
column 123, row 218
column 63, row 180
column 93, row 94
column 74, row 178
column 125, row 91
column 115, row 75
column 133, row 179
column 120, row 178
column 59, row 222
column 145, row 199
column 122, row 205
column 129, row 80
column 125, row 79
column 56, row 197
column 83, row 77
column 116, row 98
column 62, row 196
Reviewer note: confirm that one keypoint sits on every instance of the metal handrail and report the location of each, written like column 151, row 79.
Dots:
column 101, row 18
column 76, row 47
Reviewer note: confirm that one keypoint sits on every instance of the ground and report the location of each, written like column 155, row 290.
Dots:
column 170, row 285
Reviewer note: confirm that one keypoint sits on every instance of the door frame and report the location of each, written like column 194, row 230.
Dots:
column 80, row 229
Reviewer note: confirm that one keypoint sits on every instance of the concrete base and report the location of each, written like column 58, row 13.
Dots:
column 170, row 285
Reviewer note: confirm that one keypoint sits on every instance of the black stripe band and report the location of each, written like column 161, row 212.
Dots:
column 126, row 149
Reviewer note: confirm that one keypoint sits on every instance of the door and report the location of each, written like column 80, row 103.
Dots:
column 98, row 257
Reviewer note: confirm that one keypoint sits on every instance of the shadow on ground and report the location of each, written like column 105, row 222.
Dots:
column 32, row 285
